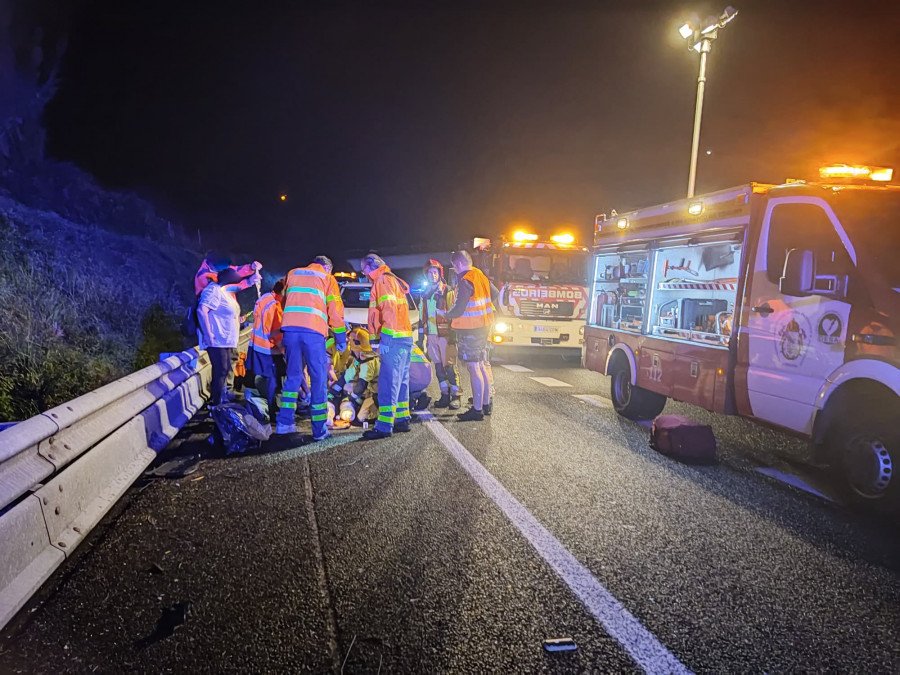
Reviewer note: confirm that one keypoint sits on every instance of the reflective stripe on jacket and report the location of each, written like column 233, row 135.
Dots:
column 479, row 310
column 388, row 310
column 434, row 323
column 312, row 300
column 266, row 335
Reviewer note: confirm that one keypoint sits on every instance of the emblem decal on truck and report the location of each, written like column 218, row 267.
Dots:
column 830, row 326
column 792, row 339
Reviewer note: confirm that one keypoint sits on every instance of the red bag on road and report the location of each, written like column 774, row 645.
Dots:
column 680, row 438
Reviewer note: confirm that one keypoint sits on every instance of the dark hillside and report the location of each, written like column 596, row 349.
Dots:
column 81, row 306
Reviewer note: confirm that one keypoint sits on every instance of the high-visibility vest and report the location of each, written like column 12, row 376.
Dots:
column 432, row 322
column 479, row 310
column 266, row 335
column 388, row 310
column 312, row 300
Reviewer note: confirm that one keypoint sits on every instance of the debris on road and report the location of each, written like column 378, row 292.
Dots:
column 565, row 644
column 172, row 618
column 176, row 468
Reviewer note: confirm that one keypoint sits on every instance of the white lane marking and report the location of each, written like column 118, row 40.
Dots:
column 516, row 368
column 791, row 479
column 648, row 652
column 550, row 381
column 593, row 399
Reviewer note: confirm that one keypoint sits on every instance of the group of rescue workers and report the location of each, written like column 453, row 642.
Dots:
column 304, row 357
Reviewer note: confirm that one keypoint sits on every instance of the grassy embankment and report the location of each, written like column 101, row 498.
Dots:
column 81, row 306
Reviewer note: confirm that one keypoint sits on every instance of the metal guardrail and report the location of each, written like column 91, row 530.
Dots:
column 62, row 470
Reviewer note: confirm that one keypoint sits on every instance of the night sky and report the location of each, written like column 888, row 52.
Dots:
column 393, row 123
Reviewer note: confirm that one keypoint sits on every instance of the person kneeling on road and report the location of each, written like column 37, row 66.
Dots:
column 361, row 378
column 389, row 322
column 419, row 379
column 471, row 317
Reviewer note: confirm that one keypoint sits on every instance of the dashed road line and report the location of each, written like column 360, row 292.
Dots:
column 593, row 399
column 550, row 382
column 516, row 368
column 648, row 652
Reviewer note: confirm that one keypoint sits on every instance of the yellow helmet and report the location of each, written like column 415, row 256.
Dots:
column 359, row 340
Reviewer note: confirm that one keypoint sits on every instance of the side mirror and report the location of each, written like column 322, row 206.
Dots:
column 799, row 274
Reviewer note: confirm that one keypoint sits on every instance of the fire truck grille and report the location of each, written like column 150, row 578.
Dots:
column 546, row 308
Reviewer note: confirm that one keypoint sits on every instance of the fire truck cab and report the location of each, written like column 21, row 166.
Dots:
column 780, row 303
column 543, row 289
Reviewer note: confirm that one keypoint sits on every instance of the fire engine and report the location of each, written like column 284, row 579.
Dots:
column 779, row 303
column 543, row 288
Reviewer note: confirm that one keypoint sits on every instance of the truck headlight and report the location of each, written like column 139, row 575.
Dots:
column 501, row 327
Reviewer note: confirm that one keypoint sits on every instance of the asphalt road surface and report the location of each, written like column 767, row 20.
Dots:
column 461, row 547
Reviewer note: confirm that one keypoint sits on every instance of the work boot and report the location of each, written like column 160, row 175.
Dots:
column 423, row 402
column 285, row 428
column 443, row 401
column 373, row 434
column 325, row 434
column 471, row 415
column 402, row 427
column 455, row 402
column 488, row 407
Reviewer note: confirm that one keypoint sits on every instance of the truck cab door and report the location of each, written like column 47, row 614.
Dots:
column 796, row 341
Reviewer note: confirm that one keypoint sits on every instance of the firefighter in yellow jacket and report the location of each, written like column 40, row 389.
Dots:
column 390, row 325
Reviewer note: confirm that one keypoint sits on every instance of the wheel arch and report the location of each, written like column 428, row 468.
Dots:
column 854, row 391
column 622, row 351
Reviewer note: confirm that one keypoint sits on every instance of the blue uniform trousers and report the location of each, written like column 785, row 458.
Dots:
column 305, row 348
column 393, row 381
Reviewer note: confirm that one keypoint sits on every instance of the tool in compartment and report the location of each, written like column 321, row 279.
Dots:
column 680, row 268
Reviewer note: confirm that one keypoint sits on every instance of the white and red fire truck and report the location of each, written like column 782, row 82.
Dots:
column 543, row 289
column 780, row 303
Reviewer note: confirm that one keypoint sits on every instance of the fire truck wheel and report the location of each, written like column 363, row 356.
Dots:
column 865, row 457
column 630, row 401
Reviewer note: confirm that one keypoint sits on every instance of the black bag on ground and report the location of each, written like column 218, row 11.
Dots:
column 237, row 429
column 680, row 438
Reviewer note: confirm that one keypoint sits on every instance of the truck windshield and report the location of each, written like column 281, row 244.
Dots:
column 542, row 266
column 872, row 221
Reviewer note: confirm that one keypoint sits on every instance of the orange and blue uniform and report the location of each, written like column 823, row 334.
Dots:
column 389, row 323
column 312, row 305
column 266, row 353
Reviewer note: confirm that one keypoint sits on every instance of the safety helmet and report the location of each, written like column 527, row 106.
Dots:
column 359, row 340
column 434, row 263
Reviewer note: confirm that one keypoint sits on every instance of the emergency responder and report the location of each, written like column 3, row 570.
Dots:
column 361, row 377
column 435, row 335
column 419, row 379
column 312, row 304
column 389, row 323
column 218, row 313
column 214, row 263
column 471, row 317
column 266, row 354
